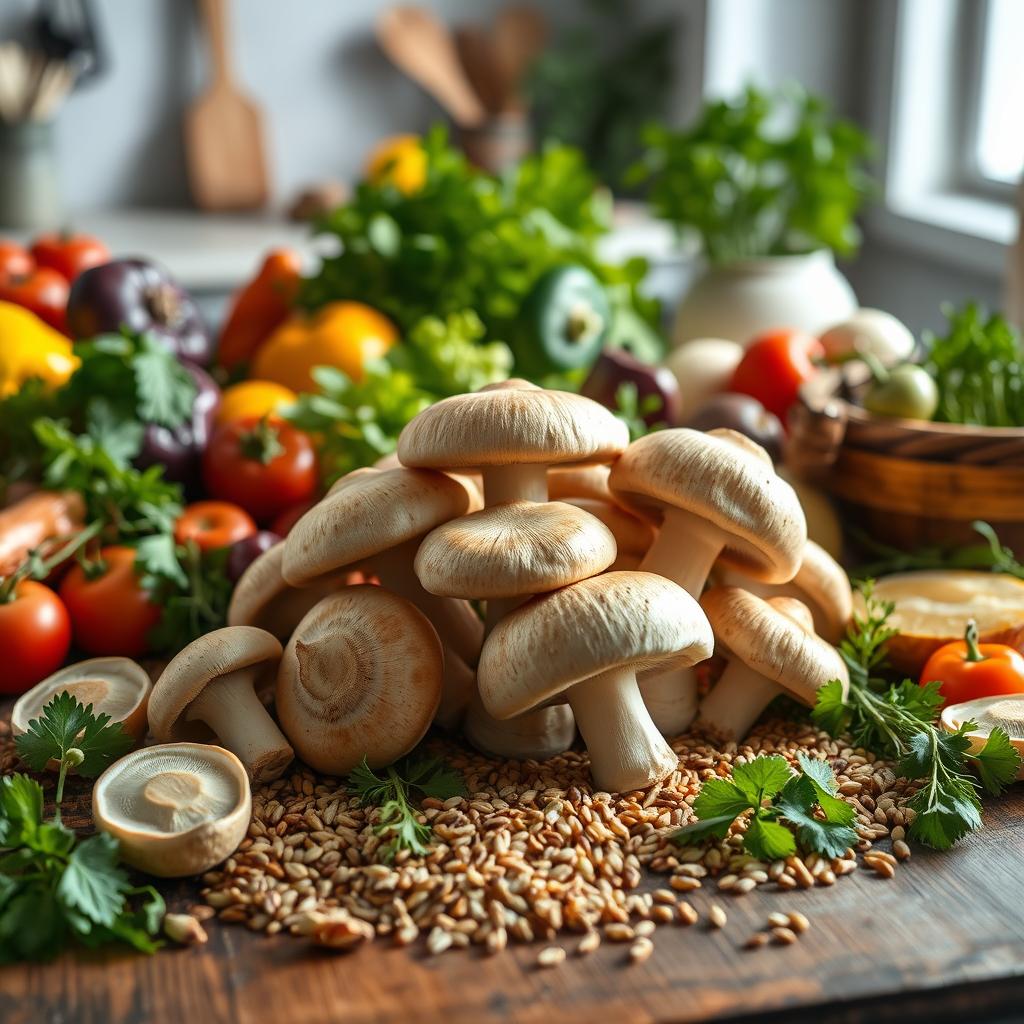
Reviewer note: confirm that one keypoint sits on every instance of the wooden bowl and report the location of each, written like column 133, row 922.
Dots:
column 907, row 483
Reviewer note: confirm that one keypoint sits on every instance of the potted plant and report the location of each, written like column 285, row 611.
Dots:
column 770, row 184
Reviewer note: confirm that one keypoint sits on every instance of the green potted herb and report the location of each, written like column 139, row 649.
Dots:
column 769, row 183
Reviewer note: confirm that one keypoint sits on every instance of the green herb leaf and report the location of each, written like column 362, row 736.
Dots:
column 830, row 835
column 21, row 809
column 997, row 762
column 768, row 840
column 720, row 798
column 706, row 828
column 93, row 883
column 761, row 777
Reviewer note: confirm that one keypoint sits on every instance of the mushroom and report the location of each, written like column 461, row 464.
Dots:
column 773, row 650
column 633, row 535
column 176, row 808
column 512, row 432
column 262, row 597
column 579, row 482
column 1005, row 712
column 820, row 583
column 209, row 690
column 373, row 520
column 361, row 677
column 117, row 687
column 588, row 641
column 719, row 498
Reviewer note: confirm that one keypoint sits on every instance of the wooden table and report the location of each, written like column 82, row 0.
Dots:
column 942, row 941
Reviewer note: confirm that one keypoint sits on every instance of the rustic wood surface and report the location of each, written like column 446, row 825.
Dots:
column 942, row 941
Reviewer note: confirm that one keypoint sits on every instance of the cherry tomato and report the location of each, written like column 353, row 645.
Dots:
column 283, row 524
column 35, row 634
column 252, row 399
column 15, row 261
column 110, row 612
column 69, row 254
column 261, row 465
column 213, row 525
column 43, row 291
column 775, row 365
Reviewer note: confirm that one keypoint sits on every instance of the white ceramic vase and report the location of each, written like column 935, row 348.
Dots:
column 740, row 300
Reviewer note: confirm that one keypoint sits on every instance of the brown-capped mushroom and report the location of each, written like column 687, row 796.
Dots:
column 360, row 677
column 117, row 687
column 773, row 650
column 176, row 809
column 208, row 690
column 719, row 498
column 588, row 641
column 512, row 432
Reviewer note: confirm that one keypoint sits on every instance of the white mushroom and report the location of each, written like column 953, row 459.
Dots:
column 1004, row 712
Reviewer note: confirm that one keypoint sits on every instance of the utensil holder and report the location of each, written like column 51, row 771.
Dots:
column 29, row 184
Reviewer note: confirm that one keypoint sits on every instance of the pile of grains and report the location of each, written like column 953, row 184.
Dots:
column 534, row 853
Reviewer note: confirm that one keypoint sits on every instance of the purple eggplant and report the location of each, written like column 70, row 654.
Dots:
column 743, row 414
column 180, row 450
column 143, row 298
column 244, row 552
column 657, row 391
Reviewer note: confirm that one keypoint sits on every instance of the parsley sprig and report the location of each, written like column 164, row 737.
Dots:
column 54, row 888
column 788, row 810
column 392, row 792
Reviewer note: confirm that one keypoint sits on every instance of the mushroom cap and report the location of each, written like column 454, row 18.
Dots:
column 118, row 687
column 176, row 808
column 471, row 481
column 633, row 535
column 775, row 638
column 727, row 479
column 1005, row 712
column 360, row 677
column 367, row 516
column 204, row 661
column 508, row 424
column 616, row 620
column 522, row 547
column 262, row 598
column 579, row 482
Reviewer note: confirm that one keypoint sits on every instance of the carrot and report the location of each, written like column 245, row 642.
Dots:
column 35, row 518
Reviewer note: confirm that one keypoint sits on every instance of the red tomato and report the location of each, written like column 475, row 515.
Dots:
column 43, row 291
column 35, row 634
column 264, row 466
column 15, row 261
column 213, row 525
column 69, row 254
column 110, row 613
column 282, row 524
column 775, row 365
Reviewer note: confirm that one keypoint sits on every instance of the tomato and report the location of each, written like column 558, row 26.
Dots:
column 282, row 524
column 252, row 399
column 110, row 612
column 967, row 669
column 774, row 367
column 35, row 634
column 263, row 466
column 43, row 291
column 400, row 161
column 213, row 525
column 69, row 254
column 15, row 261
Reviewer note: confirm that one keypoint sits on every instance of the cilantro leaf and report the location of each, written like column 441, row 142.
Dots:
column 156, row 557
column 825, row 786
column 120, row 436
column 768, row 840
column 21, row 809
column 706, row 828
column 93, row 883
column 830, row 836
column 32, row 926
column 830, row 709
column 432, row 777
column 164, row 389
column 719, row 797
column 997, row 762
column 761, row 777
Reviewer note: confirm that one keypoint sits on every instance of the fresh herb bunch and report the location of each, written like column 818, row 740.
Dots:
column 760, row 175
column 55, row 889
column 392, row 793
column 898, row 721
column 788, row 810
column 978, row 366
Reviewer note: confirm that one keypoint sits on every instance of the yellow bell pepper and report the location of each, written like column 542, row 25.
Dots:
column 345, row 335
column 399, row 161
column 30, row 348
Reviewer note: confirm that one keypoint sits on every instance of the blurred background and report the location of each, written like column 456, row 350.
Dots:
column 936, row 83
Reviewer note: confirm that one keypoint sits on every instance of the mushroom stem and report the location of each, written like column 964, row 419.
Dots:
column 457, row 688
column 684, row 550
column 537, row 735
column 626, row 750
column 503, row 484
column 498, row 608
column 232, row 710
column 737, row 700
column 671, row 699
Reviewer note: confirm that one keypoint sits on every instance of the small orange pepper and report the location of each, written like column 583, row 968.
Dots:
column 967, row 669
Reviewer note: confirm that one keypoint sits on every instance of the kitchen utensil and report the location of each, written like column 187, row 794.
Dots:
column 520, row 32
column 479, row 59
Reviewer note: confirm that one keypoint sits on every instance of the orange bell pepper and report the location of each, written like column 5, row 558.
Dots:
column 259, row 308
column 345, row 335
column 967, row 670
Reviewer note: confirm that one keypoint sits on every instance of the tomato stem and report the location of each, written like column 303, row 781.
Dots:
column 971, row 643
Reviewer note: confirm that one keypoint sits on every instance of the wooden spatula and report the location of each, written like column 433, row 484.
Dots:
column 520, row 32
column 224, row 132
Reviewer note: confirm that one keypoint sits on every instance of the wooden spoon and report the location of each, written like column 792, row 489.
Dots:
column 520, row 33
column 423, row 48
column 224, row 132
column 480, row 62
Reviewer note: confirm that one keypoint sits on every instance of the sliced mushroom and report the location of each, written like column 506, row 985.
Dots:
column 1004, row 712
column 773, row 650
column 209, row 690
column 512, row 432
column 588, row 641
column 117, row 687
column 360, row 677
column 176, row 808
column 718, row 497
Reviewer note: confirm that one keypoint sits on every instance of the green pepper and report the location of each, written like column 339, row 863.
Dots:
column 562, row 323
